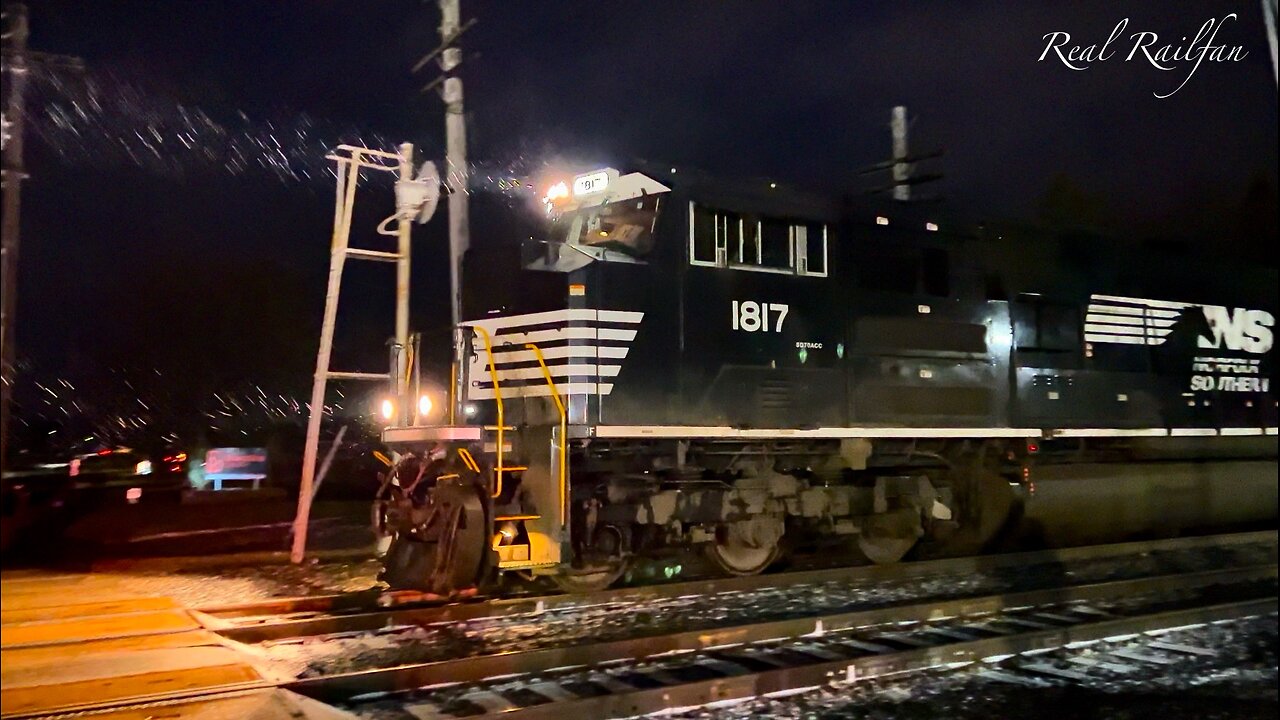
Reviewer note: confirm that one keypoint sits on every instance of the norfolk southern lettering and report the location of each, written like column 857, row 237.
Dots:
column 1146, row 46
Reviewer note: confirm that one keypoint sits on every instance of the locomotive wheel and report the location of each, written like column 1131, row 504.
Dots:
column 887, row 537
column 747, row 547
column 597, row 566
column 738, row 560
column 991, row 511
column 884, row 550
column 591, row 579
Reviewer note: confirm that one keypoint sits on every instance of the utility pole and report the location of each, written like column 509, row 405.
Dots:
column 18, row 62
column 456, row 179
column 901, row 165
column 456, row 173
column 15, row 56
column 1269, row 15
column 455, row 129
column 901, row 170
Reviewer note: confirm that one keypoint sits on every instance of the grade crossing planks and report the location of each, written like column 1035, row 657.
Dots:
column 81, row 641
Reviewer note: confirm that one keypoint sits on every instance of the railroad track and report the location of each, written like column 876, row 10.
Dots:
column 351, row 613
column 691, row 669
column 748, row 655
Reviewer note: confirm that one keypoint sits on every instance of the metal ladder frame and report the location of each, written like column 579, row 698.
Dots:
column 348, row 177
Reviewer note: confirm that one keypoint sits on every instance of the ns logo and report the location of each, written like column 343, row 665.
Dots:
column 1238, row 329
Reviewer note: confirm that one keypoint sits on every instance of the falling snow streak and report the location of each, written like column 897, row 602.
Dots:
column 100, row 121
column 115, row 411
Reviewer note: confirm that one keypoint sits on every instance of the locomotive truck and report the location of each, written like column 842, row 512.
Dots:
column 679, row 364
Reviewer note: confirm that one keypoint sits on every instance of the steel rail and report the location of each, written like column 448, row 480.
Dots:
column 744, row 687
column 458, row 612
column 336, row 688
column 335, row 602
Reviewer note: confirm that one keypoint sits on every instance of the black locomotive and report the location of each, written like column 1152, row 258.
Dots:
column 681, row 363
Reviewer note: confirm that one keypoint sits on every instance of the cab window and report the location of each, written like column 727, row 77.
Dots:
column 743, row 241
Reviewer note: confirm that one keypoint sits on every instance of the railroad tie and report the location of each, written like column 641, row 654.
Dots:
column 1011, row 678
column 1103, row 663
column 1178, row 647
column 1137, row 656
column 1053, row 671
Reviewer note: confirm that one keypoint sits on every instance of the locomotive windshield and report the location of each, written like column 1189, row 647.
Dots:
column 626, row 226
column 605, row 217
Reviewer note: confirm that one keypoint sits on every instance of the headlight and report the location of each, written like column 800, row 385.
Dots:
column 559, row 191
column 424, row 406
column 387, row 409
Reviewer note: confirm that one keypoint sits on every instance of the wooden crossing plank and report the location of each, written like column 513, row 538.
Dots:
column 74, row 630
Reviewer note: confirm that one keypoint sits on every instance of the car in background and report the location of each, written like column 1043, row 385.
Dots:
column 112, row 473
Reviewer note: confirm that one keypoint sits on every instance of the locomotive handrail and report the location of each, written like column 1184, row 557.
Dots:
column 470, row 462
column 564, row 432
column 497, row 395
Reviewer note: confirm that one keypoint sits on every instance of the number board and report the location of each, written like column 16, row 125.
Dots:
column 591, row 183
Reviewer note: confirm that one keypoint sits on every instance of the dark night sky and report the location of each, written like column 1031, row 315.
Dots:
column 221, row 274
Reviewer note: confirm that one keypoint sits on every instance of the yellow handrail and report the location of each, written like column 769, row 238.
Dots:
column 470, row 462
column 564, row 432
column 497, row 395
